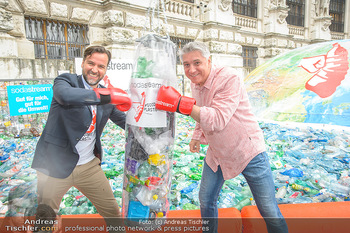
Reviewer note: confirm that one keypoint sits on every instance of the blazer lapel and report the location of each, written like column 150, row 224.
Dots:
column 99, row 116
column 81, row 85
column 80, row 81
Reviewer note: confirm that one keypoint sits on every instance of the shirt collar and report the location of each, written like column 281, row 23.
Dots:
column 87, row 86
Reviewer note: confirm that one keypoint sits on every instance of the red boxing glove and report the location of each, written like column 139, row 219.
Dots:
column 169, row 99
column 114, row 96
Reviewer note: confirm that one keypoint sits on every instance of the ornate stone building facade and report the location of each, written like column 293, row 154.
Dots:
column 240, row 33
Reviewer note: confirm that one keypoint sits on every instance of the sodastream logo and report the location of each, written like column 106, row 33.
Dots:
column 30, row 89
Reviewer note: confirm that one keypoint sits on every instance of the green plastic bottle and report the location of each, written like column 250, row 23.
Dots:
column 245, row 202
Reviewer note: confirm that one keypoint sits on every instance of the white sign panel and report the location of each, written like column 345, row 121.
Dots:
column 118, row 73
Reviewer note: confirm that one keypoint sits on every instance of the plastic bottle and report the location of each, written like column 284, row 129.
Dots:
column 330, row 165
column 295, row 195
column 316, row 184
column 245, row 202
column 68, row 200
column 145, row 196
column 320, row 197
column 297, row 187
column 195, row 176
column 302, row 199
column 310, row 192
column 144, row 170
column 293, row 172
column 307, row 183
column 335, row 187
column 252, row 201
column 189, row 206
column 281, row 192
column 189, row 188
column 157, row 204
column 227, row 200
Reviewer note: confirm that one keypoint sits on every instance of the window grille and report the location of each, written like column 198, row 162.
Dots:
column 245, row 7
column 180, row 43
column 337, row 11
column 296, row 12
column 249, row 55
column 56, row 39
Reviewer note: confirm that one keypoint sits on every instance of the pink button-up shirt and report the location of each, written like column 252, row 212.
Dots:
column 227, row 123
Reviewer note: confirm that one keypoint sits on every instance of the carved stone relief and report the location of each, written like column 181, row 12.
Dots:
column 277, row 3
column 282, row 16
column 225, row 5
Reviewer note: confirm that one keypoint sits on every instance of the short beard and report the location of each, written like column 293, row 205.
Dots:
column 89, row 82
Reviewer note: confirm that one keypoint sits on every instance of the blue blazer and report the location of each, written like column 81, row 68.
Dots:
column 69, row 118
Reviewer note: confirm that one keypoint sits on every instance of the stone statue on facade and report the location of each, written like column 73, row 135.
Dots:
column 276, row 18
column 322, row 8
column 322, row 21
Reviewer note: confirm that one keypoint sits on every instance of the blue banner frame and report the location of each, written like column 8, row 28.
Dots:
column 29, row 99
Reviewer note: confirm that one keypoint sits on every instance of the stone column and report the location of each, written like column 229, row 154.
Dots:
column 25, row 47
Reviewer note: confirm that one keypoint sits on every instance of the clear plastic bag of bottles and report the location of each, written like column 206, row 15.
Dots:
column 149, row 136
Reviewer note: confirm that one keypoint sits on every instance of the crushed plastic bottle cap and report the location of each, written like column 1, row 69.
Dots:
column 160, row 214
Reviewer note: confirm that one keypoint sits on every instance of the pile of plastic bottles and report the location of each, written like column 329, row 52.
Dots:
column 15, row 173
column 309, row 164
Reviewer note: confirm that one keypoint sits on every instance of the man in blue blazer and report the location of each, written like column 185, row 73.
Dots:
column 69, row 150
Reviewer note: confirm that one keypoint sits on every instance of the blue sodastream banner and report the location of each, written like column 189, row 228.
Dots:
column 29, row 99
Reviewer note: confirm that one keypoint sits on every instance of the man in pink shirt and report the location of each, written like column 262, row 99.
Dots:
column 221, row 108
